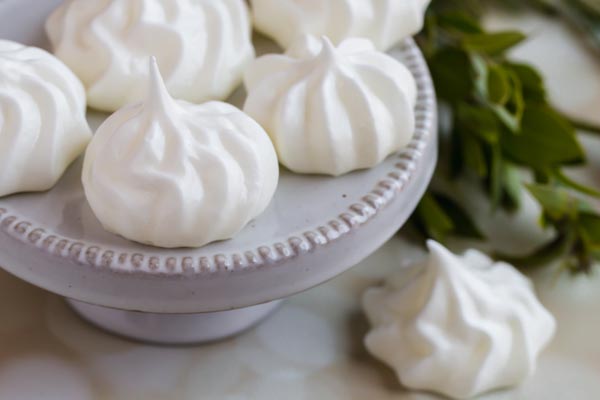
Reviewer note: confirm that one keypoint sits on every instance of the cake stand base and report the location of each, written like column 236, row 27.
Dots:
column 174, row 329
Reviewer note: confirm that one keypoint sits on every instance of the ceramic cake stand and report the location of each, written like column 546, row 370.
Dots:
column 315, row 228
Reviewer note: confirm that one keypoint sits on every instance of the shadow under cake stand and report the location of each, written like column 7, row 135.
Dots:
column 315, row 228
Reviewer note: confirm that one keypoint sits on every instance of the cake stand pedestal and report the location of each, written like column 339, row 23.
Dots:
column 177, row 329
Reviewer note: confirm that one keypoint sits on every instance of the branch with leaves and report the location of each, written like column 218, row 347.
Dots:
column 502, row 125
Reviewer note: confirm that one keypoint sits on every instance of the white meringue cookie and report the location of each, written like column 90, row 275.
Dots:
column 384, row 22
column 202, row 47
column 459, row 326
column 42, row 119
column 332, row 110
column 174, row 174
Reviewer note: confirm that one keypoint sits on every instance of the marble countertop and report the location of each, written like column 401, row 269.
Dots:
column 312, row 347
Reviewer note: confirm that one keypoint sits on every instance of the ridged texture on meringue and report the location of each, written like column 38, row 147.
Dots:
column 332, row 110
column 459, row 326
column 385, row 22
column 42, row 119
column 174, row 174
column 202, row 46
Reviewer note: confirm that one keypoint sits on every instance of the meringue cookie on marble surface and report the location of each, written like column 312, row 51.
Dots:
column 174, row 174
column 385, row 22
column 202, row 47
column 42, row 118
column 332, row 110
column 458, row 325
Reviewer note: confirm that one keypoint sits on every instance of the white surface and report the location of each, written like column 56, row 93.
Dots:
column 202, row 47
column 312, row 348
column 170, row 173
column 385, row 22
column 356, row 104
column 459, row 325
column 314, row 228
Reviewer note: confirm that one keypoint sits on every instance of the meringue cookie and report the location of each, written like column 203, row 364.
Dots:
column 174, row 174
column 385, row 22
column 42, row 119
column 202, row 47
column 332, row 110
column 459, row 326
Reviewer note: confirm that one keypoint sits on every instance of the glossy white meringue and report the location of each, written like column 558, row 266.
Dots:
column 42, row 119
column 459, row 326
column 332, row 110
column 202, row 47
column 384, row 22
column 174, row 174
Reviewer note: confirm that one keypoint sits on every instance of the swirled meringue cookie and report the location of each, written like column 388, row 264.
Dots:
column 459, row 326
column 384, row 22
column 202, row 47
column 332, row 110
column 42, row 119
column 174, row 174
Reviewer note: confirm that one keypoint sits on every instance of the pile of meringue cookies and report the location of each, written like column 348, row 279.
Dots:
column 173, row 154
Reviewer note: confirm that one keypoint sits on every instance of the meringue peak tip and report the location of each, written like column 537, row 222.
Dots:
column 153, row 67
column 435, row 247
column 328, row 49
column 326, row 41
column 437, row 253
column 157, row 90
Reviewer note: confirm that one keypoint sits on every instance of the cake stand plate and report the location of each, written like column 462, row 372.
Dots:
column 315, row 228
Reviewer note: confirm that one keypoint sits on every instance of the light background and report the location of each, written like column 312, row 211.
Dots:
column 312, row 347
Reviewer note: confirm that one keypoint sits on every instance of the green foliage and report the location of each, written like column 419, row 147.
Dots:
column 577, row 226
column 490, row 43
column 545, row 140
column 440, row 216
column 502, row 123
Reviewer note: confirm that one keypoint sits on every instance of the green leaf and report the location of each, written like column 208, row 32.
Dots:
column 492, row 43
column 479, row 121
column 512, row 186
column 440, row 216
column 473, row 154
column 531, row 82
column 589, row 224
column 556, row 203
column 473, row 8
column 456, row 157
column 543, row 255
column 516, row 103
column 495, row 176
column 451, row 71
column 505, row 185
column 459, row 23
column 511, row 113
column 480, row 69
column 589, row 230
column 498, row 85
column 546, row 140
column 500, row 90
column 567, row 181
column 463, row 224
column 433, row 219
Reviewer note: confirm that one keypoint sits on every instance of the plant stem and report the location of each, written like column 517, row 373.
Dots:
column 582, row 125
